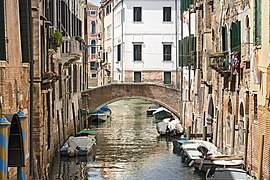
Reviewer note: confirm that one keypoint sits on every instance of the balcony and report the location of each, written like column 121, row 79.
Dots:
column 71, row 50
column 219, row 61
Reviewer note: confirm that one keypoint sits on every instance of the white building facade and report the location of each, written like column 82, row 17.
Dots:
column 145, row 41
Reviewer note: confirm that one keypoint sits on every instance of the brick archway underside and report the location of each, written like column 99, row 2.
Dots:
column 167, row 97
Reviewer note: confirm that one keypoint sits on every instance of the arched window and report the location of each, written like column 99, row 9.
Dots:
column 93, row 27
column 93, row 47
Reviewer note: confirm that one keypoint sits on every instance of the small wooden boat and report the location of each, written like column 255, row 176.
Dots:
column 226, row 174
column 79, row 145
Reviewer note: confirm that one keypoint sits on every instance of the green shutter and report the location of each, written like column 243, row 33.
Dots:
column 25, row 30
column 2, row 31
column 137, row 77
column 167, row 78
column 257, row 21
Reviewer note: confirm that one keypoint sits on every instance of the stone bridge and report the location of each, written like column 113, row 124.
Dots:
column 162, row 95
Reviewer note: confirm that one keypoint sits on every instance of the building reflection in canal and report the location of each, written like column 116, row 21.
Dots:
column 127, row 148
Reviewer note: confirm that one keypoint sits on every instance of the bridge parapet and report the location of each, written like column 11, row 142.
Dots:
column 165, row 96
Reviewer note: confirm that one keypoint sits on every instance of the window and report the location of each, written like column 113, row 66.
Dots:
column 93, row 66
column 93, row 47
column 93, row 75
column 92, row 13
column 167, row 52
column 255, row 108
column 108, row 9
column 3, row 48
column 108, row 32
column 167, row 14
column 119, row 52
column 137, row 76
column 137, row 14
column 137, row 52
column 167, row 78
column 93, row 27
column 258, row 21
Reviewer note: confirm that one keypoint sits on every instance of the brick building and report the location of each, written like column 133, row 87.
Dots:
column 231, row 89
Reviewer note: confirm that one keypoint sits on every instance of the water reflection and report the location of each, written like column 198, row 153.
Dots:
column 127, row 148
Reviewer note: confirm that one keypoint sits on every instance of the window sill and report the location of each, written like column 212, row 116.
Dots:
column 137, row 61
column 167, row 22
column 167, row 61
column 137, row 22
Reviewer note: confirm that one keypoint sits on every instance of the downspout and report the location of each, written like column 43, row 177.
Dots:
column 176, row 45
column 122, row 47
column 112, row 56
column 31, row 153
column 181, row 50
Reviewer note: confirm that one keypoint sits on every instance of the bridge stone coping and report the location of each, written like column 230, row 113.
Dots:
column 165, row 96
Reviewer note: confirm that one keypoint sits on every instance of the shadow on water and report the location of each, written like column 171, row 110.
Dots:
column 127, row 148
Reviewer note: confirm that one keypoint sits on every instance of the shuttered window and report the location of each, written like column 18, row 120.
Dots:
column 137, row 50
column 224, row 39
column 25, row 30
column 137, row 76
column 167, row 52
column 167, row 14
column 258, row 22
column 137, row 14
column 167, row 78
column 2, row 31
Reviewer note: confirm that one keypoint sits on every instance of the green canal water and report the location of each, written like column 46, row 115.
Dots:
column 128, row 148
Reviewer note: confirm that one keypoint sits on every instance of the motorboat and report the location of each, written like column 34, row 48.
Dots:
column 99, row 117
column 150, row 110
column 177, row 143
column 162, row 113
column 193, row 151
column 169, row 126
column 215, row 173
column 80, row 145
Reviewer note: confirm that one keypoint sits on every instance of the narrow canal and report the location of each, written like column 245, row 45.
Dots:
column 128, row 148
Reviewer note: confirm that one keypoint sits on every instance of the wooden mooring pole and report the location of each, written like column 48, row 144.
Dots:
column 205, row 133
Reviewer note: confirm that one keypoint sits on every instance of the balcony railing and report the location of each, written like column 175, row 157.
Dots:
column 219, row 61
column 71, row 50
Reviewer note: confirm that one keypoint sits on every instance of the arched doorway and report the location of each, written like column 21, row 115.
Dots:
column 228, row 123
column 15, row 143
column 210, row 116
column 241, row 128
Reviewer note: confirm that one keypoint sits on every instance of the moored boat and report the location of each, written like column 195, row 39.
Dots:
column 162, row 113
column 226, row 174
column 150, row 110
column 79, row 145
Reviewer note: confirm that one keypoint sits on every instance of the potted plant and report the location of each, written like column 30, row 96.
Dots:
column 56, row 39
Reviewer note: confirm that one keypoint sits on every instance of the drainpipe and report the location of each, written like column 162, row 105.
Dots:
column 122, row 47
column 112, row 56
column 181, row 78
column 176, row 45
column 31, row 153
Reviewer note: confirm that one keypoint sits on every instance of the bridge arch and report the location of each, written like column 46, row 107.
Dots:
column 165, row 96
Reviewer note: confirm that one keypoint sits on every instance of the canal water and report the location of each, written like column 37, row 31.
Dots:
column 128, row 148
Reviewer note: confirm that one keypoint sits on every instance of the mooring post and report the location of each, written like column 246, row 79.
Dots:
column 21, row 171
column 188, row 132
column 4, row 126
column 205, row 133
